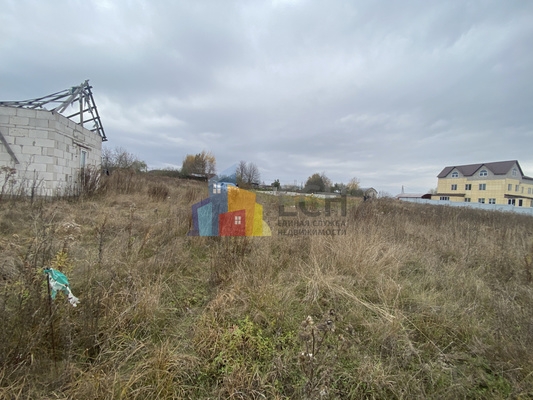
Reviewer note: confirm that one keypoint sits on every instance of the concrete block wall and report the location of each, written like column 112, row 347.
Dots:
column 48, row 147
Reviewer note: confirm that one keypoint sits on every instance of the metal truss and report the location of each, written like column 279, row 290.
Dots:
column 77, row 96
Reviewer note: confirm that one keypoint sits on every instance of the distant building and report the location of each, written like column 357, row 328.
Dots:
column 405, row 196
column 501, row 182
column 198, row 177
column 369, row 193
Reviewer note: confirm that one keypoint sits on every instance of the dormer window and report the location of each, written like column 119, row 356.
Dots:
column 483, row 172
column 455, row 174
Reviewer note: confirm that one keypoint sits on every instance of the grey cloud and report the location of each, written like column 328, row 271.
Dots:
column 389, row 92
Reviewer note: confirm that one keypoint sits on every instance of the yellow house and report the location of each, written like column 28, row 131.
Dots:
column 501, row 182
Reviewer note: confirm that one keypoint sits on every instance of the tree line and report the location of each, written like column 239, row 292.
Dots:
column 203, row 166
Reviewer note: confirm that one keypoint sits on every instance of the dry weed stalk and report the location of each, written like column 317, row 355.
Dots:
column 315, row 361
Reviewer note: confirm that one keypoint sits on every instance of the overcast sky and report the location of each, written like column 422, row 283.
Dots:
column 389, row 92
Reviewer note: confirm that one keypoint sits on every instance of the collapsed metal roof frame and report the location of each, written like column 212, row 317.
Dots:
column 81, row 94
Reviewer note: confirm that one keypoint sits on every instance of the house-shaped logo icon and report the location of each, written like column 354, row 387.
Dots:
column 228, row 211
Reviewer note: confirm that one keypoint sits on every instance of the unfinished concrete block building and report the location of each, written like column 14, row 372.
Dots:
column 42, row 151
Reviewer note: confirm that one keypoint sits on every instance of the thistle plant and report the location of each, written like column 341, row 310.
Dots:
column 319, row 349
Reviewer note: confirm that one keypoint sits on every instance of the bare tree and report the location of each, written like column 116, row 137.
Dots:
column 247, row 174
column 254, row 177
column 120, row 158
column 240, row 173
column 327, row 182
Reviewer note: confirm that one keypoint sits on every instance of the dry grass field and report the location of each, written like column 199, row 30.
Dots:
column 412, row 302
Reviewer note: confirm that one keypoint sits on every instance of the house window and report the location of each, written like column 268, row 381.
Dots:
column 454, row 187
column 528, row 190
column 468, row 186
column 531, row 203
column 482, row 201
column 492, row 201
column 445, row 197
column 511, row 202
column 483, row 172
column 510, row 187
column 455, row 174
column 217, row 188
column 482, row 186
column 515, row 172
column 516, row 188
column 237, row 220
column 467, row 199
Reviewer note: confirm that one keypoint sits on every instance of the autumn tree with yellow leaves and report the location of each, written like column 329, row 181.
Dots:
column 203, row 163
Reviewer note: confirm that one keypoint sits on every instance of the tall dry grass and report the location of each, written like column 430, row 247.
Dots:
column 414, row 301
